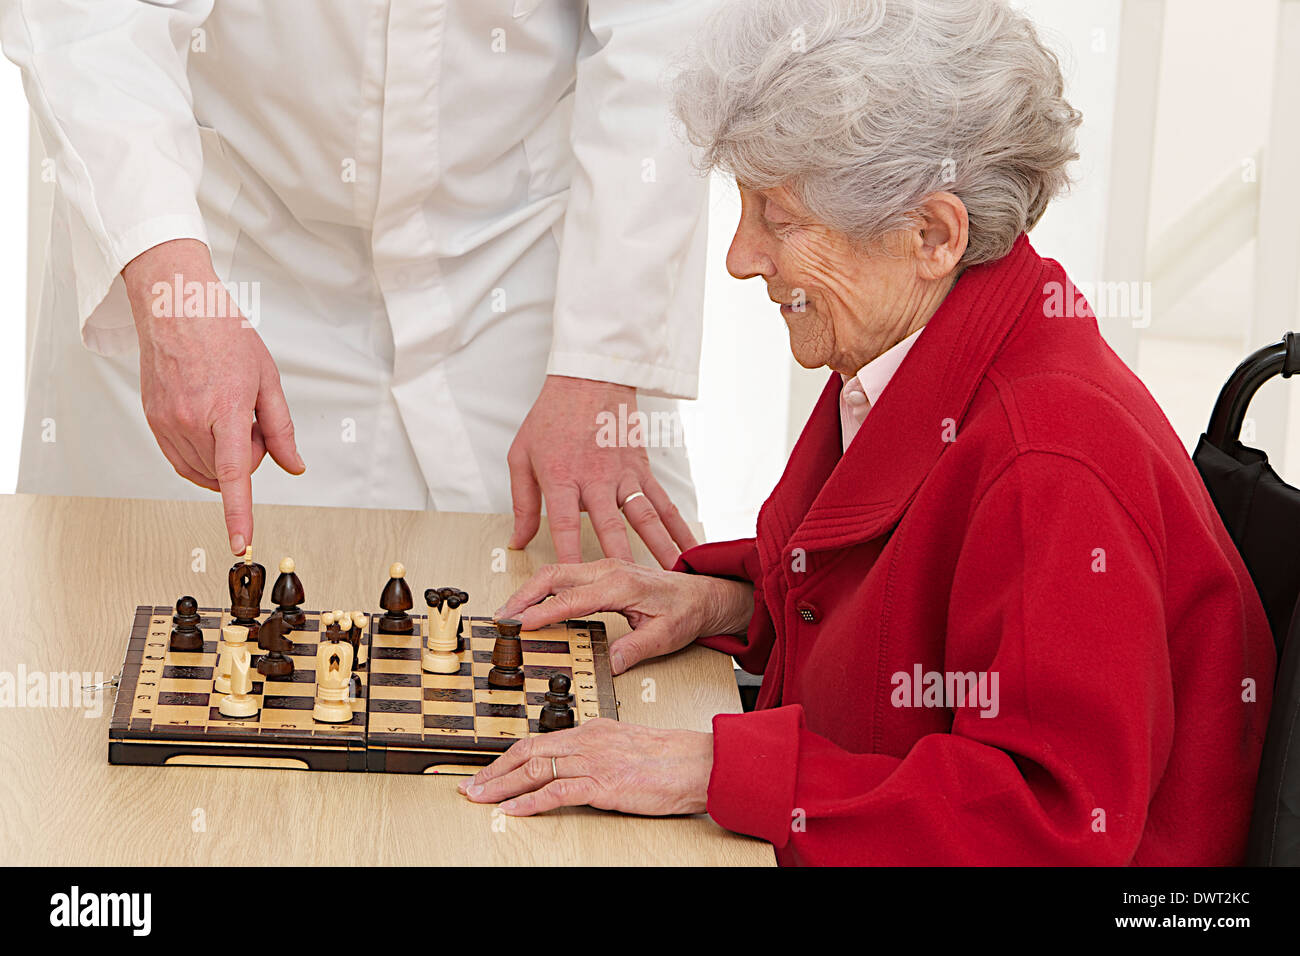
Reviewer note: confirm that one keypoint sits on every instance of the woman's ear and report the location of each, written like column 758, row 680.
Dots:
column 941, row 235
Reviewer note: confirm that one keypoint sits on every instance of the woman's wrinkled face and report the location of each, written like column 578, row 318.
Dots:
column 843, row 305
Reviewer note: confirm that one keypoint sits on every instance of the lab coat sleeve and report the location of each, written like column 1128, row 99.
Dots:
column 630, row 290
column 1062, row 773
column 738, row 561
column 106, row 80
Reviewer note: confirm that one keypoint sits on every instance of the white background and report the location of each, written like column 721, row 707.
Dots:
column 1213, row 112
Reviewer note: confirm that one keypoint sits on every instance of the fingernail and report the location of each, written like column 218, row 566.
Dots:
column 237, row 545
column 508, row 806
column 475, row 790
column 499, row 612
column 616, row 661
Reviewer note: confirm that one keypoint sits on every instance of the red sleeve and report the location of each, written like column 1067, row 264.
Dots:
column 1084, row 718
column 737, row 560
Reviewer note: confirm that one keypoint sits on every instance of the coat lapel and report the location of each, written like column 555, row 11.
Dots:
column 827, row 500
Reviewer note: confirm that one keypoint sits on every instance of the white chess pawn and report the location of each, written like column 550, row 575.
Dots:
column 359, row 621
column 333, row 672
column 232, row 636
column 239, row 702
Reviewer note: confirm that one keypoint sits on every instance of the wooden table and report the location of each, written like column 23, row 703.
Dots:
column 77, row 567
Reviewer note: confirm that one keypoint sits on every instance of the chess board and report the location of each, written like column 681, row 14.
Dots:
column 404, row 720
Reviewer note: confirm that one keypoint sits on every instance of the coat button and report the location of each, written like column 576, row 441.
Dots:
column 807, row 611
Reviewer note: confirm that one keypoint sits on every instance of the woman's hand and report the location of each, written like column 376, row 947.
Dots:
column 603, row 763
column 666, row 609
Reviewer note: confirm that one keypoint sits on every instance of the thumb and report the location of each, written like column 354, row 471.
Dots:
column 275, row 422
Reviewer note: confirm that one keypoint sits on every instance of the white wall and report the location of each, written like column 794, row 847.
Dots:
column 13, row 269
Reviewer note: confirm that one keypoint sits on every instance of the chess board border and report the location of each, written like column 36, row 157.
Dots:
column 290, row 749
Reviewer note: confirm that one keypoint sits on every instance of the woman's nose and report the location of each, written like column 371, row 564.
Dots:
column 746, row 258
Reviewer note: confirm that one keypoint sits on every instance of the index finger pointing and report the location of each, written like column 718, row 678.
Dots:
column 234, row 449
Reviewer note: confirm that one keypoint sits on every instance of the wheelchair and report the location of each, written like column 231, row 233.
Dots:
column 1262, row 514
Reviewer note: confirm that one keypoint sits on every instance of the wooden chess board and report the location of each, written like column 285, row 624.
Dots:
column 404, row 721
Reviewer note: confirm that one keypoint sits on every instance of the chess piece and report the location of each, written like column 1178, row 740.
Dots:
column 463, row 597
column 440, row 599
column 288, row 595
column 507, row 671
column 186, row 635
column 272, row 638
column 454, row 598
column 557, row 711
column 246, row 581
column 232, row 636
column 359, row 622
column 333, row 674
column 440, row 644
column 329, row 626
column 396, row 601
column 239, row 702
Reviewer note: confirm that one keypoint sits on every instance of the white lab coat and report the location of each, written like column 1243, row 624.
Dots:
column 431, row 204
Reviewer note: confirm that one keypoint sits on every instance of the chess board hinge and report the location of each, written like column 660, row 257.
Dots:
column 112, row 682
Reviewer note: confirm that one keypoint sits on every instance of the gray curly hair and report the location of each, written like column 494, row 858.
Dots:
column 865, row 107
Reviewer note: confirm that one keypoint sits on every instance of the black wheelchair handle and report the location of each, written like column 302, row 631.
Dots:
column 1230, row 410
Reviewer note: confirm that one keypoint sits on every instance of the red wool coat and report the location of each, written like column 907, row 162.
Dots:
column 1016, row 510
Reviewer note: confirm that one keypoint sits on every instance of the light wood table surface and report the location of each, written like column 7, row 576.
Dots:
column 77, row 568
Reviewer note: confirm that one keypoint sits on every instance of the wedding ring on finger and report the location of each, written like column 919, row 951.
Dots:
column 632, row 497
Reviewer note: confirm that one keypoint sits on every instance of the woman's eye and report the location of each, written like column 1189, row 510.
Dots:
column 775, row 215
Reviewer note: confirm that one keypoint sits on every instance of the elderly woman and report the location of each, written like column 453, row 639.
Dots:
column 997, row 617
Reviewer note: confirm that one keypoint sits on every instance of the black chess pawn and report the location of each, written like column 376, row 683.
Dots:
column 272, row 638
column 288, row 595
column 354, row 686
column 396, row 600
column 246, row 580
column 507, row 671
column 557, row 711
column 186, row 635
